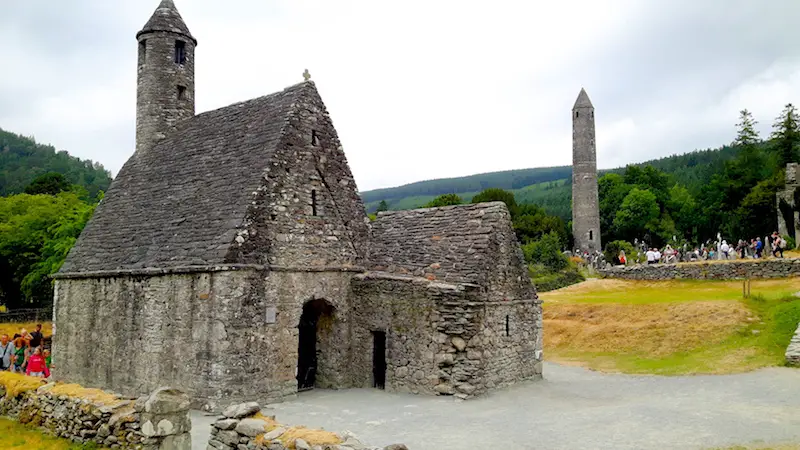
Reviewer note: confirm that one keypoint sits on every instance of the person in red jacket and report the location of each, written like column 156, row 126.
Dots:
column 37, row 367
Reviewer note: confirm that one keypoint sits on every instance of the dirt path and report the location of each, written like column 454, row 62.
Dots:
column 572, row 408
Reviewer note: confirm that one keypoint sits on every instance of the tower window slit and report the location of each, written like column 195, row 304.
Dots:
column 591, row 235
column 181, row 92
column 577, row 114
column 508, row 328
column 313, row 202
column 180, row 52
column 143, row 52
column 314, row 138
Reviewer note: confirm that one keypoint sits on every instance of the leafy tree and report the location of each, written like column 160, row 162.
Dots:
column 498, row 195
column 786, row 135
column 50, row 183
column 682, row 208
column 382, row 206
column 532, row 222
column 612, row 191
column 547, row 252
column 36, row 233
column 613, row 248
column 757, row 216
column 638, row 212
column 444, row 200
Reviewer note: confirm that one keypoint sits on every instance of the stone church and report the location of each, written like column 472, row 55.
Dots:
column 232, row 257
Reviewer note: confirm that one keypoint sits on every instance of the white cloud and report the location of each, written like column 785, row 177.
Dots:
column 421, row 89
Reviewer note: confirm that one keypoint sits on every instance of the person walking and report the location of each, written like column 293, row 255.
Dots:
column 759, row 247
column 724, row 249
column 36, row 336
column 7, row 351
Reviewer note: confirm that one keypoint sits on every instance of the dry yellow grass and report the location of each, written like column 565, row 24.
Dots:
column 670, row 327
column 288, row 438
column 16, row 383
column 655, row 329
column 13, row 328
column 77, row 391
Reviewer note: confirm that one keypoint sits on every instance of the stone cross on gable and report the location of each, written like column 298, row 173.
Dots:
column 306, row 75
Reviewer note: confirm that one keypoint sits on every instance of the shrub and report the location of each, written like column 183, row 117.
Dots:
column 547, row 252
column 552, row 281
column 790, row 243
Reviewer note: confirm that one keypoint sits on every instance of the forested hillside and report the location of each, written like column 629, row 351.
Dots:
column 22, row 159
column 548, row 187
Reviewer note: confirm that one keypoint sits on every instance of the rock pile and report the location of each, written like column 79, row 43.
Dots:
column 159, row 421
column 242, row 427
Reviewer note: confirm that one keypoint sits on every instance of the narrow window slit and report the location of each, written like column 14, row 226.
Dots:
column 508, row 328
column 313, row 202
column 314, row 138
column 181, row 92
column 180, row 52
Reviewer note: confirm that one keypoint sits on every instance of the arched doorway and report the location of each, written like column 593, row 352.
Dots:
column 317, row 313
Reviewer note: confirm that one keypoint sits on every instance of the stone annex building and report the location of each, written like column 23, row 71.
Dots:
column 232, row 257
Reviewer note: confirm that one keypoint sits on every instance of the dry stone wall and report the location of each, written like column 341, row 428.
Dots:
column 159, row 421
column 242, row 427
column 793, row 351
column 727, row 270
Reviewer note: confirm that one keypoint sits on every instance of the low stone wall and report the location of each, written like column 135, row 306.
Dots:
column 720, row 270
column 159, row 421
column 793, row 351
column 242, row 427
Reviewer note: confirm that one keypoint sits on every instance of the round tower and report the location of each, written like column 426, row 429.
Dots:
column 585, row 201
column 165, row 84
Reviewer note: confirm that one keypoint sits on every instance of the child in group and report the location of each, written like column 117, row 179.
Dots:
column 36, row 365
column 48, row 359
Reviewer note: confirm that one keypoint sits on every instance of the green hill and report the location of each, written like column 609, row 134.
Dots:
column 548, row 187
column 22, row 159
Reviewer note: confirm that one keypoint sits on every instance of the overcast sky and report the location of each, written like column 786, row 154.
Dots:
column 421, row 89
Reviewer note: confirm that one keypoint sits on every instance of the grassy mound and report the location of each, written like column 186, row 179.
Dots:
column 14, row 436
column 288, row 438
column 671, row 328
column 16, row 383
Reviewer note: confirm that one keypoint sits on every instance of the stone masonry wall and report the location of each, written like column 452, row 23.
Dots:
column 307, row 211
column 159, row 421
column 243, row 427
column 200, row 331
column 728, row 270
column 512, row 342
column 442, row 339
column 793, row 351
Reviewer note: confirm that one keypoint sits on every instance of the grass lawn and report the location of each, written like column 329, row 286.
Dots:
column 14, row 436
column 671, row 327
column 12, row 328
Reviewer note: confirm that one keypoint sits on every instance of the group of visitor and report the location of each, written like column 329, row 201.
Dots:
column 25, row 353
column 711, row 251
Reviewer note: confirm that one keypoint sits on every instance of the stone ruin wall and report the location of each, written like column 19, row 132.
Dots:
column 459, row 345
column 724, row 270
column 793, row 351
column 159, row 421
column 196, row 330
column 244, row 427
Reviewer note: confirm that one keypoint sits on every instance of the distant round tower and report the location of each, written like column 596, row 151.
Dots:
column 165, row 85
column 585, row 202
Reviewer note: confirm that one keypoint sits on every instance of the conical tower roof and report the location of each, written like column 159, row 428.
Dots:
column 583, row 100
column 167, row 18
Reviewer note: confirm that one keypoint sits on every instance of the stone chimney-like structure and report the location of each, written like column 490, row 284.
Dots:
column 165, row 84
column 585, row 201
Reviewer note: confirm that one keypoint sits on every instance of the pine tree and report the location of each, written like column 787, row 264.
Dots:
column 746, row 134
column 786, row 135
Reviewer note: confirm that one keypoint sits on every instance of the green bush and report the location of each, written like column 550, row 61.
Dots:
column 554, row 280
column 613, row 248
column 444, row 200
column 547, row 252
column 790, row 243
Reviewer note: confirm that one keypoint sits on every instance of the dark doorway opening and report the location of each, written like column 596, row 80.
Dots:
column 307, row 354
column 379, row 359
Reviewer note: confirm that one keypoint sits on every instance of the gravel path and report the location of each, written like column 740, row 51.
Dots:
column 572, row 408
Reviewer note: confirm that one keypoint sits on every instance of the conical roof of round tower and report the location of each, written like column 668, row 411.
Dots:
column 583, row 100
column 167, row 18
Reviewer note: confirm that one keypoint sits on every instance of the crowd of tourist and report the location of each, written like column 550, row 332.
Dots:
column 25, row 353
column 754, row 249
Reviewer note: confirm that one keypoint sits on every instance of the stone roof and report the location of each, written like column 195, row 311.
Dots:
column 451, row 243
column 180, row 203
column 167, row 18
column 583, row 100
